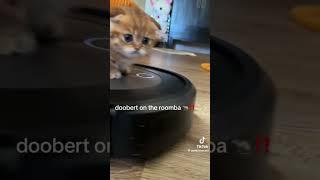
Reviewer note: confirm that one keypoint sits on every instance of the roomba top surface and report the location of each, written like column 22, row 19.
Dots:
column 53, row 86
column 140, row 78
column 243, row 100
column 149, row 85
column 135, row 133
column 243, row 88
column 64, row 64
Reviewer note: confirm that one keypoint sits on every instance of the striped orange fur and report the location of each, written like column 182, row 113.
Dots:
column 121, row 3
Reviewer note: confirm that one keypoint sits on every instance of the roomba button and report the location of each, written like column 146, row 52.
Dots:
column 145, row 75
column 97, row 43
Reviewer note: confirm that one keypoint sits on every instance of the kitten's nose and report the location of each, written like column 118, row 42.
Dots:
column 137, row 47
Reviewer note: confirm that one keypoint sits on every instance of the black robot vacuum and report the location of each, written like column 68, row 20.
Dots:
column 150, row 110
column 56, row 93
column 243, row 99
column 148, row 106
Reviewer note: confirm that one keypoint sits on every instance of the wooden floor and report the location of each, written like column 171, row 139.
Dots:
column 177, row 163
column 291, row 56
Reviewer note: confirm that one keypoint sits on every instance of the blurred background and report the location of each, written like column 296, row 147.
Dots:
column 289, row 53
column 184, row 23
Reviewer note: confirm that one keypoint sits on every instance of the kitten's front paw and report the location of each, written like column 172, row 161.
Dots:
column 22, row 43
column 26, row 43
column 52, row 31
column 126, row 70
column 115, row 74
column 7, row 45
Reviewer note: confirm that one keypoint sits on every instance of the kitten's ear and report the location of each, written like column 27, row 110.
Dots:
column 155, row 23
column 116, row 13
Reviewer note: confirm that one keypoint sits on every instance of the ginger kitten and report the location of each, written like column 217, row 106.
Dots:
column 132, row 35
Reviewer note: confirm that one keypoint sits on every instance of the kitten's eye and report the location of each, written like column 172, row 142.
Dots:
column 161, row 8
column 145, row 41
column 128, row 38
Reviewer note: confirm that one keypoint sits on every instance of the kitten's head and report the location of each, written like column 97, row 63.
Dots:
column 132, row 32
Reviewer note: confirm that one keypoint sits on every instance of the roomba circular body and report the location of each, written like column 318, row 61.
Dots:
column 243, row 98
column 55, row 94
column 150, row 110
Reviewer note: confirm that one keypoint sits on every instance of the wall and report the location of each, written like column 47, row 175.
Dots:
column 141, row 3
